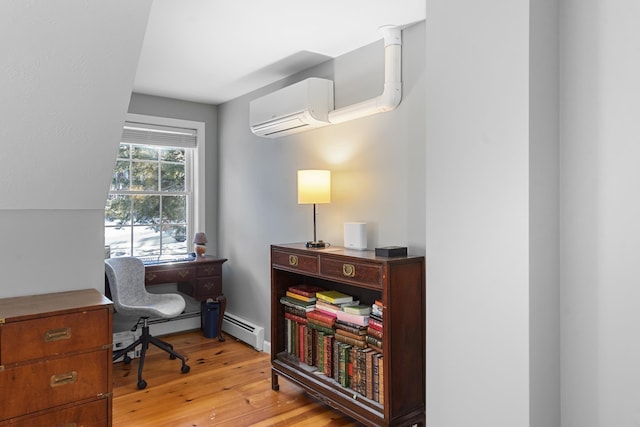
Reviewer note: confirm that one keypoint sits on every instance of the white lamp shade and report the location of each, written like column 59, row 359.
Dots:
column 314, row 186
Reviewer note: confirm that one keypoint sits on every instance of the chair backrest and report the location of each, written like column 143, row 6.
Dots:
column 126, row 282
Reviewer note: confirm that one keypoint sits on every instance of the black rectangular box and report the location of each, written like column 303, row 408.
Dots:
column 392, row 251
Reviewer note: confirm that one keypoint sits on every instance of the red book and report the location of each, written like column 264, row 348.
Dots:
column 305, row 290
column 375, row 324
column 295, row 318
column 321, row 316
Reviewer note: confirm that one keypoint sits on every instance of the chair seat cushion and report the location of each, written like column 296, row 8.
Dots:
column 163, row 305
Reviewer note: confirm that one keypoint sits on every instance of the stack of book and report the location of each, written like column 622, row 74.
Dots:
column 298, row 301
column 351, row 325
column 374, row 327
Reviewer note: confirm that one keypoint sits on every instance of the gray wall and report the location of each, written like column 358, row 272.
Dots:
column 65, row 77
column 377, row 166
column 176, row 109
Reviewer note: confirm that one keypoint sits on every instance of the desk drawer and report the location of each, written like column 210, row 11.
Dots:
column 170, row 276
column 295, row 261
column 209, row 270
column 367, row 274
column 52, row 383
column 27, row 340
column 208, row 287
column 92, row 414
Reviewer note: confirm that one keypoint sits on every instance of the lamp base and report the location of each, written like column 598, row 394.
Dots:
column 317, row 244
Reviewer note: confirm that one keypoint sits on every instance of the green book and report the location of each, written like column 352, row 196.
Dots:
column 362, row 310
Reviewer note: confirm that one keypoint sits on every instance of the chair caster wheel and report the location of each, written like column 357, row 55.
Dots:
column 185, row 369
column 126, row 360
column 142, row 384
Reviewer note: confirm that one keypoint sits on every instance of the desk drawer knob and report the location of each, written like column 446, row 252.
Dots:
column 63, row 379
column 57, row 334
column 349, row 270
column 293, row 260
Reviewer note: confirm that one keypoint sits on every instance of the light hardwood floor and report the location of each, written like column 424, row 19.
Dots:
column 229, row 385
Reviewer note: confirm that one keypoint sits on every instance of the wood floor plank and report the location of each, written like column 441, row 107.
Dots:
column 229, row 385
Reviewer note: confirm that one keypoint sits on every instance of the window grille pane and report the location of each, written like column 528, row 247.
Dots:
column 146, row 211
column 172, row 177
column 174, row 209
column 117, row 211
column 124, row 151
column 144, row 176
column 144, row 152
column 121, row 173
column 175, row 155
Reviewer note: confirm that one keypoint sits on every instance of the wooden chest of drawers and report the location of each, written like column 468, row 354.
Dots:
column 55, row 359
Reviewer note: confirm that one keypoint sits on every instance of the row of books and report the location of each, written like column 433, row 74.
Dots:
column 323, row 324
column 358, row 368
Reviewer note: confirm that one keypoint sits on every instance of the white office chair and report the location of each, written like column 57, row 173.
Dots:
column 129, row 295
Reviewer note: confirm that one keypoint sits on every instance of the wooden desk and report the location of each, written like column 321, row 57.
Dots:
column 200, row 279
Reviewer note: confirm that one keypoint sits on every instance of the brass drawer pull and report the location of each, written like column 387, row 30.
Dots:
column 151, row 277
column 208, row 286
column 209, row 270
column 57, row 334
column 63, row 379
column 183, row 273
column 293, row 260
column 349, row 270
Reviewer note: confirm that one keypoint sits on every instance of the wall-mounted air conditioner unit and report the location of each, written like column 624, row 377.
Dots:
column 302, row 106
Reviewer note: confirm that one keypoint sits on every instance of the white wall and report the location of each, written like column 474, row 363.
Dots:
column 377, row 174
column 477, row 217
column 66, row 76
column 600, row 231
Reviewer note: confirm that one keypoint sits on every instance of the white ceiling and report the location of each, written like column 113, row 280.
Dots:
column 212, row 51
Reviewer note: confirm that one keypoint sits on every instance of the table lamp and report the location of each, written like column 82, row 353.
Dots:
column 199, row 243
column 314, row 186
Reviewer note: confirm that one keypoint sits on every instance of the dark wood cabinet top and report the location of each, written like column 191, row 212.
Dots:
column 25, row 307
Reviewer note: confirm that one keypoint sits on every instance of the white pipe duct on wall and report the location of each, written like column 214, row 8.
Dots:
column 392, row 92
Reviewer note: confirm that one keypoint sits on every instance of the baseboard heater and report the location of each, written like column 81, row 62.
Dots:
column 243, row 330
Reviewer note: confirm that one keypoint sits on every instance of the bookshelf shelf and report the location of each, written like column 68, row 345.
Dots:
column 398, row 283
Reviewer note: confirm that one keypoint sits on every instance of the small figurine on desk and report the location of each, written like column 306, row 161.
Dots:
column 200, row 242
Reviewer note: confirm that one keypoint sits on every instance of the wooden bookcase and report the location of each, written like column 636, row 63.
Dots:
column 400, row 284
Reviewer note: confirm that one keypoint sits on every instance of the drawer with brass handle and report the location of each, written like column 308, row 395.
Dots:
column 49, row 336
column 295, row 261
column 55, row 382
column 366, row 274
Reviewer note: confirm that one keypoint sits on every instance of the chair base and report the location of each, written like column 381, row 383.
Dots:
column 144, row 340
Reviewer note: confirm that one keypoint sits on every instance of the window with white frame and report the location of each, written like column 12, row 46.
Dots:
column 155, row 200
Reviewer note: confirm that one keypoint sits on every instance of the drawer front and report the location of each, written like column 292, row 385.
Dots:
column 51, row 383
column 366, row 274
column 50, row 336
column 295, row 261
column 209, row 270
column 93, row 414
column 153, row 277
column 209, row 287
